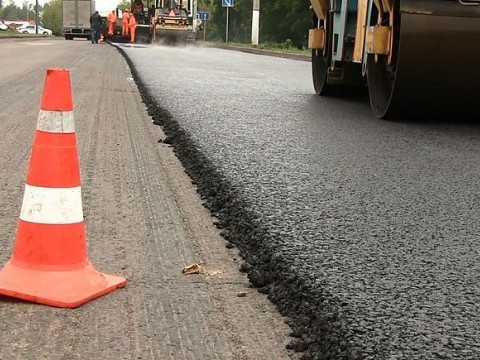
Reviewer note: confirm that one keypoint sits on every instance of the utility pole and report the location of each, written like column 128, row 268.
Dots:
column 204, row 29
column 226, row 28
column 255, row 22
column 36, row 17
column 227, row 4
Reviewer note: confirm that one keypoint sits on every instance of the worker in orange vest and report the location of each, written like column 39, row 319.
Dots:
column 125, row 22
column 112, row 20
column 133, row 25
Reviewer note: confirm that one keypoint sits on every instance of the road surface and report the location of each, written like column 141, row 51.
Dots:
column 144, row 221
column 364, row 231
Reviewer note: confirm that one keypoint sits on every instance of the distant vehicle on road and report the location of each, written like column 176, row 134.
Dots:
column 3, row 26
column 76, row 18
column 30, row 29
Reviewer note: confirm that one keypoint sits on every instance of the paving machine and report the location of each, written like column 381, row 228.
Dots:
column 175, row 22
column 416, row 56
column 143, row 12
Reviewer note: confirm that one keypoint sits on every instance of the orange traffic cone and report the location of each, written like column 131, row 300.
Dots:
column 49, row 264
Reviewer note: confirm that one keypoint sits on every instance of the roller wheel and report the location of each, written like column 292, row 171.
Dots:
column 321, row 60
column 320, row 66
column 381, row 82
column 381, row 69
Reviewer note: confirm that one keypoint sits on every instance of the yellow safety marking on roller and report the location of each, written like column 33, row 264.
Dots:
column 377, row 40
column 360, row 31
column 316, row 39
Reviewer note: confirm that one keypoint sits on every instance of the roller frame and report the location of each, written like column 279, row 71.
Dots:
column 320, row 7
column 374, row 39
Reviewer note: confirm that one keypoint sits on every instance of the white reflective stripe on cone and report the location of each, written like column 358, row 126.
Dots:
column 56, row 121
column 43, row 205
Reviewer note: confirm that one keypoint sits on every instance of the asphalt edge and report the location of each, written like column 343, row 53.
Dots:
column 319, row 331
column 259, row 51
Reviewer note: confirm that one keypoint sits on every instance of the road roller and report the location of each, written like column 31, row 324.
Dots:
column 175, row 22
column 417, row 57
column 171, row 22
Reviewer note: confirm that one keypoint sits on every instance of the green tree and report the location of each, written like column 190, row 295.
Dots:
column 11, row 11
column 214, row 26
column 27, row 11
column 52, row 16
column 125, row 4
column 285, row 19
column 280, row 21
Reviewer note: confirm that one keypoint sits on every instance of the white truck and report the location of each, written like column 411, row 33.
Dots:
column 76, row 18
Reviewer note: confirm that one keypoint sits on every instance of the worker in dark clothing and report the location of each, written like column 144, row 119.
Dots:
column 137, row 7
column 151, row 12
column 95, row 25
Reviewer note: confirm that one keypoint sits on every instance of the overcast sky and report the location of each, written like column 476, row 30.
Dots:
column 101, row 5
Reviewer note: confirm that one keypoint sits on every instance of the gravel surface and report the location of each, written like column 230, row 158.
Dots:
column 363, row 231
column 144, row 221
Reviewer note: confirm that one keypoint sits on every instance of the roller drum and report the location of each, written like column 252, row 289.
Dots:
column 436, row 70
column 143, row 35
column 171, row 37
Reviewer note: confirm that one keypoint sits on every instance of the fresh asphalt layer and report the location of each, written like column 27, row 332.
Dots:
column 363, row 231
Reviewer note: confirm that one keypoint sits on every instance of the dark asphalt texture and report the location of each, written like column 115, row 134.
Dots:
column 364, row 232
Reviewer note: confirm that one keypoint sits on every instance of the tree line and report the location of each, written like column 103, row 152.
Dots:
column 50, row 15
column 282, row 22
column 12, row 11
